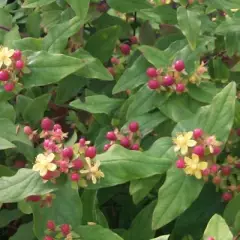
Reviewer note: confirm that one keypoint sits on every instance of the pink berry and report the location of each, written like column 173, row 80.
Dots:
column 226, row 170
column 63, row 166
column 168, row 80
column 57, row 127
column 238, row 131
column 180, row 88
column 47, row 124
column 134, row 40
column 216, row 150
column 19, row 164
column 135, row 147
column 17, row 55
column 180, row 163
column 133, row 126
column 227, row 196
column 214, row 168
column 27, row 130
column 216, row 180
column 4, row 75
column 206, row 172
column 67, row 152
column 197, row 133
column 9, row 87
column 91, row 152
column 34, row 198
column 125, row 49
column 51, row 225
column 82, row 141
column 48, row 238
column 48, row 176
column 112, row 71
column 115, row 60
column 179, row 65
column 111, row 136
column 125, row 142
column 153, row 84
column 65, row 229
column 75, row 177
column 106, row 147
column 199, row 150
column 19, row 64
column 152, row 72
column 211, row 238
column 77, row 164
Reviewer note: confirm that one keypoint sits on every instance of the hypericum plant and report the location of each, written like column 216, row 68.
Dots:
column 119, row 119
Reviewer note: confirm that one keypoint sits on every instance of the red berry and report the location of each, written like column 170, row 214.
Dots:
column 238, row 131
column 237, row 165
column 134, row 40
column 115, row 60
column 211, row 238
column 47, row 124
column 125, row 142
column 180, row 88
column 17, row 55
column 48, row 238
column 179, row 65
column 153, row 84
column 133, row 126
column 19, row 164
column 65, row 229
column 27, row 130
column 226, row 170
column 9, row 87
column 180, row 163
column 125, row 49
column 48, row 175
column 111, row 136
column 51, row 225
column 152, row 72
column 75, row 177
column 216, row 180
column 77, row 164
column 206, row 172
column 168, row 80
column 34, row 198
column 57, row 127
column 106, row 147
column 19, row 64
column 111, row 71
column 4, row 75
column 199, row 150
column 135, row 147
column 216, row 150
column 67, row 152
column 227, row 196
column 214, row 168
column 82, row 141
column 91, row 152
column 197, row 133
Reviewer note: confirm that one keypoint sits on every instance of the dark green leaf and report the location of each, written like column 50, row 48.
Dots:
column 10, row 37
column 231, row 210
column 7, row 216
column 7, row 111
column 25, row 232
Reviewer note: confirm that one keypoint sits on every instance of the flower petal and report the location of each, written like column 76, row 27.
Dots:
column 176, row 148
column 37, row 167
column 40, row 157
column 184, row 150
column 198, row 174
column 51, row 167
column 191, row 143
column 188, row 135
column 94, row 180
column 7, row 61
column 43, row 171
column 188, row 160
column 202, row 165
column 10, row 53
column 50, row 157
column 195, row 158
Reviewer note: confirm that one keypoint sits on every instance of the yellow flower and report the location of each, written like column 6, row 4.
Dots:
column 194, row 167
column 5, row 55
column 92, row 172
column 44, row 164
column 183, row 141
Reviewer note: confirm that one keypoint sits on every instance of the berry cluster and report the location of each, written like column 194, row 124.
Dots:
column 77, row 161
column 175, row 79
column 12, row 67
column 45, row 201
column 129, row 141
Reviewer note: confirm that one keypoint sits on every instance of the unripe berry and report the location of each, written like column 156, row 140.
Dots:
column 226, row 170
column 153, row 84
column 57, row 127
column 91, row 152
column 67, row 152
column 135, row 147
column 152, row 72
column 180, row 163
column 227, row 196
column 82, row 141
column 168, row 80
column 9, row 87
column 179, row 65
column 134, row 40
column 115, row 60
column 216, row 180
column 106, row 147
column 214, row 168
column 27, row 130
column 65, row 229
column 125, row 142
column 216, row 150
column 48, row 238
column 111, row 136
column 51, row 225
column 125, row 49
column 199, row 150
column 47, row 124
column 111, row 71
column 75, row 177
column 19, row 64
column 19, row 164
column 34, row 198
column 77, row 164
column 180, row 88
column 197, row 133
column 4, row 75
column 206, row 172
column 17, row 55
column 133, row 126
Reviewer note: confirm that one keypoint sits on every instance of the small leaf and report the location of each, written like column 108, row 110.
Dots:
column 5, row 144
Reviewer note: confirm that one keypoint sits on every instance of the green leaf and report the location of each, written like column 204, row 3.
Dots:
column 36, row 3
column 172, row 197
column 47, row 68
column 155, row 56
column 7, row 111
column 5, row 18
column 128, row 5
column 6, row 171
column 33, row 24
column 25, row 232
column 231, row 210
column 190, row 25
column 7, row 216
column 11, row 36
column 97, row 104
column 106, row 38
column 223, row 4
column 57, row 37
column 120, row 165
column 165, row 237
column 230, row 25
column 29, row 43
column 5, row 144
column 23, row 184
column 79, row 7
column 218, row 229
column 66, row 208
